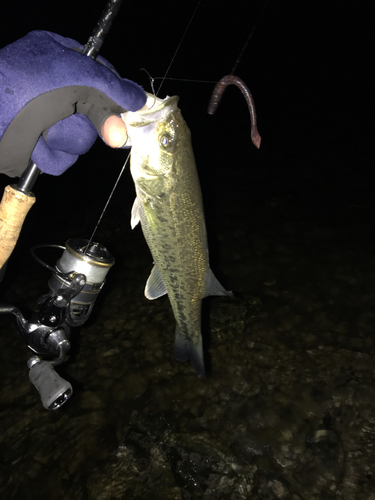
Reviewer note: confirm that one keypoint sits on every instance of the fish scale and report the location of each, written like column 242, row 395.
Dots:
column 170, row 209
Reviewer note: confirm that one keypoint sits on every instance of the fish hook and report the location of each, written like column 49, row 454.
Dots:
column 151, row 84
column 218, row 92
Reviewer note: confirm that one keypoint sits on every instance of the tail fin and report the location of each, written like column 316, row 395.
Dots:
column 184, row 349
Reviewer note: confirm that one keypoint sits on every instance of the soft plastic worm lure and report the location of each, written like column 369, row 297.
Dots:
column 218, row 92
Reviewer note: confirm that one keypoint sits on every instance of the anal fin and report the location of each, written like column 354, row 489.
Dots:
column 214, row 287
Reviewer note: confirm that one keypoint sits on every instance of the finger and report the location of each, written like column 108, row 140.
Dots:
column 114, row 132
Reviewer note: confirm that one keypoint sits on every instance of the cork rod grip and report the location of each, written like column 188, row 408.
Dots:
column 14, row 207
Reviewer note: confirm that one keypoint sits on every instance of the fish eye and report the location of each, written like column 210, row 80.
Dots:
column 166, row 141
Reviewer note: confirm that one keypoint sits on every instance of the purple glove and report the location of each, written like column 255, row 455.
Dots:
column 47, row 87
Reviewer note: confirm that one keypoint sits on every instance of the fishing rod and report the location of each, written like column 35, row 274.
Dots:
column 77, row 277
column 91, row 49
column 18, row 198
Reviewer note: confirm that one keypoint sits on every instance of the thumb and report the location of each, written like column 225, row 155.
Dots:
column 114, row 132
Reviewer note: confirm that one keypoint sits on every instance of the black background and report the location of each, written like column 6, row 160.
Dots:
column 309, row 66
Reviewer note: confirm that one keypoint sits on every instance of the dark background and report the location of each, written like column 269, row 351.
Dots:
column 309, row 67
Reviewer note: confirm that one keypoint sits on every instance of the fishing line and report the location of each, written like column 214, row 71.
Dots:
column 249, row 38
column 179, row 45
column 109, row 199
column 183, row 79
column 153, row 91
column 151, row 80
column 239, row 57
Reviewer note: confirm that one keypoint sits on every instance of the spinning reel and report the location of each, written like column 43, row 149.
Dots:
column 75, row 283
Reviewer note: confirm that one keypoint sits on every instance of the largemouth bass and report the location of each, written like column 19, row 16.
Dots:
column 169, row 206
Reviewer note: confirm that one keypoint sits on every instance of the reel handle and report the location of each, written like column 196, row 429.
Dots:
column 54, row 391
column 14, row 207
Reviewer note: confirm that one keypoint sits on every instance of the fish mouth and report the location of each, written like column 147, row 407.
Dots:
column 157, row 110
column 154, row 103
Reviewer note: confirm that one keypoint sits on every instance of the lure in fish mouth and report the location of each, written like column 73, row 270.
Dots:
column 169, row 206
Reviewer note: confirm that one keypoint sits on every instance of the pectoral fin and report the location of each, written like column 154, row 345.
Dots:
column 155, row 287
column 135, row 218
column 214, row 287
column 184, row 349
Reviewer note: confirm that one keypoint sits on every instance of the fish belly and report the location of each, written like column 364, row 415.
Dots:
column 177, row 241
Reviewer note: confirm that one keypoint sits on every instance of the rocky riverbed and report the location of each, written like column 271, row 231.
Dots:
column 287, row 407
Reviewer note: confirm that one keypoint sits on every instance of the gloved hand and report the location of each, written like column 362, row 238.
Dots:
column 47, row 87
